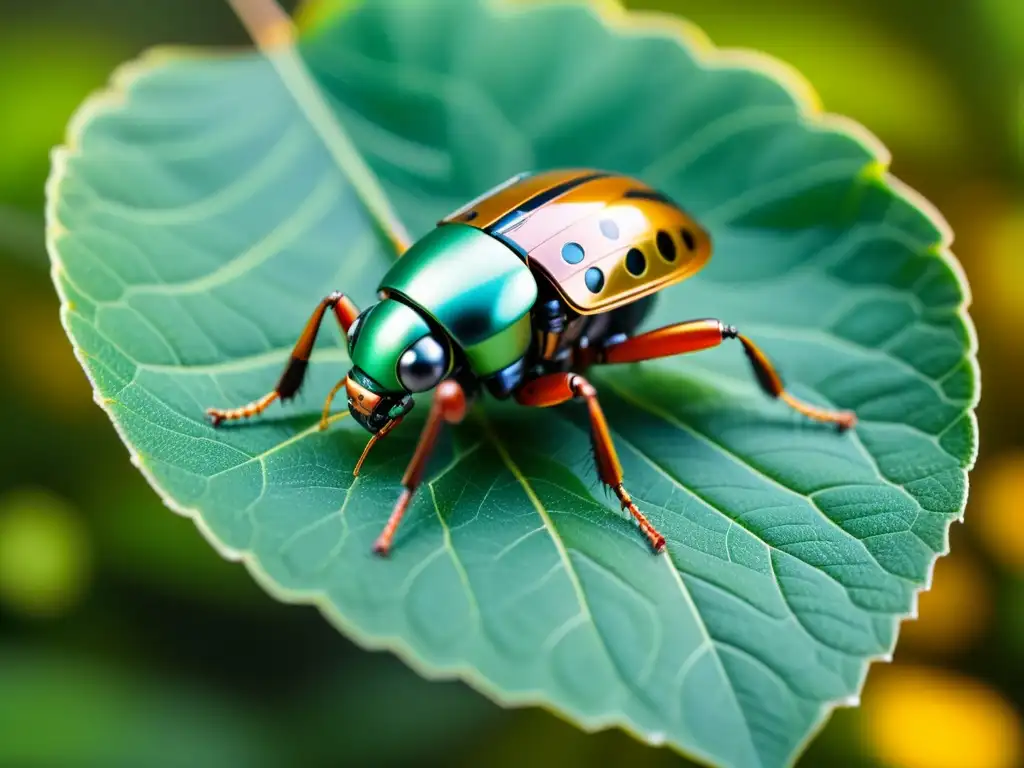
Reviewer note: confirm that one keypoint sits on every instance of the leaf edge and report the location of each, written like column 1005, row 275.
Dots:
column 621, row 22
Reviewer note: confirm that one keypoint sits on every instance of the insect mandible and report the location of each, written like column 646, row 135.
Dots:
column 516, row 293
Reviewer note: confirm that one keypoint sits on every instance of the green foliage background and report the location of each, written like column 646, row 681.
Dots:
column 135, row 607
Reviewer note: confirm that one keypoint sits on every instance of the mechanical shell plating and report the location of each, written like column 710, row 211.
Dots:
column 517, row 292
column 477, row 289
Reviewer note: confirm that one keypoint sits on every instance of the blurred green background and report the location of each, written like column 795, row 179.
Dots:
column 126, row 641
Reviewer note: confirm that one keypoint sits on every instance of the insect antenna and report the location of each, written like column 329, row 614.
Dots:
column 373, row 440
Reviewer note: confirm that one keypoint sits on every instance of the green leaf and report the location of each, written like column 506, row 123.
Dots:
column 204, row 206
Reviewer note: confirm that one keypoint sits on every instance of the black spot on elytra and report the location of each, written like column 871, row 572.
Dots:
column 666, row 246
column 636, row 262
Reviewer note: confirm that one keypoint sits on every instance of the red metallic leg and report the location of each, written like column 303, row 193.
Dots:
column 344, row 311
column 703, row 334
column 449, row 406
column 771, row 383
column 557, row 388
column 671, row 340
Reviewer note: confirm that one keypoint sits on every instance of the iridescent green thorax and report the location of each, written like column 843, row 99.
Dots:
column 386, row 331
column 474, row 287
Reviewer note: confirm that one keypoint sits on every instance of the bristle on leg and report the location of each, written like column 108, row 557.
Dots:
column 218, row 415
column 653, row 536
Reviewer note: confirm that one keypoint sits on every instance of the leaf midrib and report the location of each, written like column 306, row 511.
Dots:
column 580, row 593
column 312, row 102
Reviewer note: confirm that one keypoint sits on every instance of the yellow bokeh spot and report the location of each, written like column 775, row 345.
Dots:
column 955, row 611
column 1000, row 273
column 44, row 554
column 915, row 717
column 48, row 373
column 997, row 511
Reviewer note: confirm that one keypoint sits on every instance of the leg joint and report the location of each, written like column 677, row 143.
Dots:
column 581, row 387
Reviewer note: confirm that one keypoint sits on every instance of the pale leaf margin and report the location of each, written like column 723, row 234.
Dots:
column 648, row 24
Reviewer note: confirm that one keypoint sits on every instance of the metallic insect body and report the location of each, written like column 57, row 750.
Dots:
column 516, row 293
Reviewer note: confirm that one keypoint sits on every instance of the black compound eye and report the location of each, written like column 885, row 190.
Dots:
column 423, row 365
column 353, row 330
